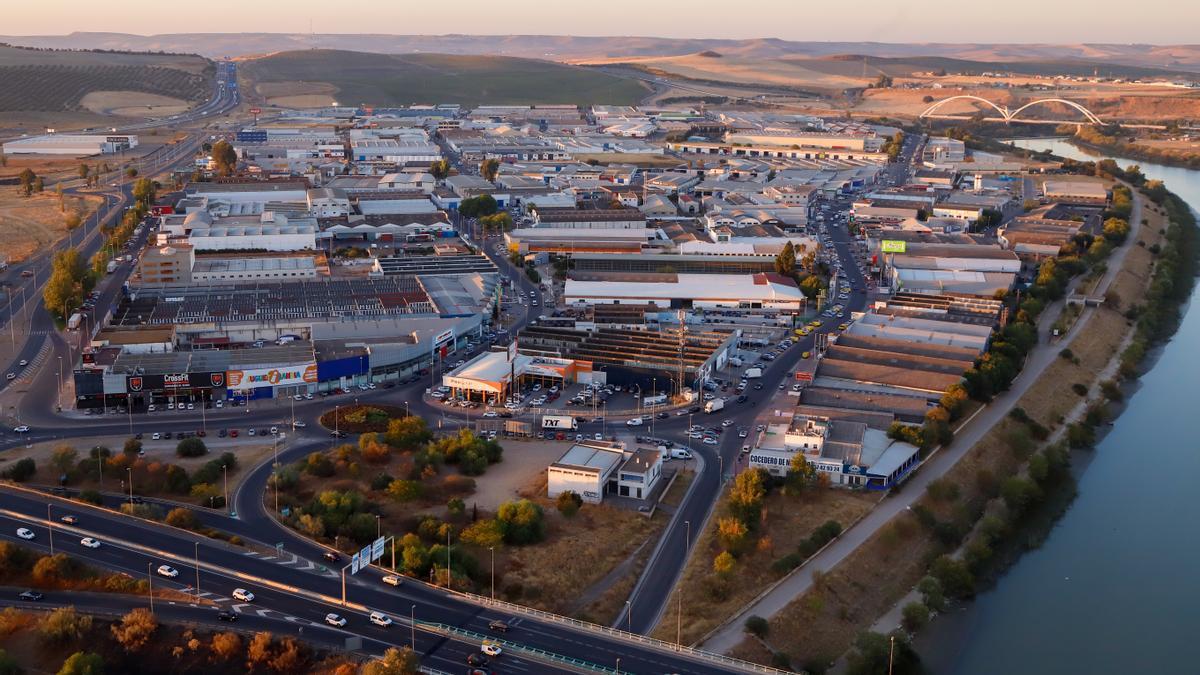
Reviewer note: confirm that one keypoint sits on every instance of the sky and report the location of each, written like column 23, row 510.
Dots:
column 962, row 21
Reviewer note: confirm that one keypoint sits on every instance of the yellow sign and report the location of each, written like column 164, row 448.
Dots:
column 892, row 246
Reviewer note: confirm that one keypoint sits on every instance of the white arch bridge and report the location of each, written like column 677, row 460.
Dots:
column 1007, row 115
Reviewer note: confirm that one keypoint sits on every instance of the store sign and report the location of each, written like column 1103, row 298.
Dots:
column 443, row 338
column 892, row 246
column 272, row 377
column 176, row 381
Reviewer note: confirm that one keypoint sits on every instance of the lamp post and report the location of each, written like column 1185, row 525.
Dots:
column 129, row 472
column 629, row 615
column 687, row 541
column 50, row 528
column 378, row 527
column 60, row 383
column 225, row 470
column 197, row 562
column 150, row 577
column 492, row 549
column 412, row 624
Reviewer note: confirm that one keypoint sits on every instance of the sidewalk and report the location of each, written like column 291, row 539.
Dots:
column 966, row 436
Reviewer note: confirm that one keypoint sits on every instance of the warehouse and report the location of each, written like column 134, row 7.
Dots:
column 749, row 291
column 593, row 470
column 78, row 145
column 849, row 453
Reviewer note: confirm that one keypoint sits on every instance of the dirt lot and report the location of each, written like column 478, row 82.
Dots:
column 133, row 104
column 524, row 464
column 790, row 520
column 297, row 94
column 28, row 224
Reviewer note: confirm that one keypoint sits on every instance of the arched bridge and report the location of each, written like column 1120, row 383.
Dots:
column 1007, row 115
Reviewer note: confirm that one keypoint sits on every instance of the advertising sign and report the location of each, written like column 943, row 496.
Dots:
column 255, row 111
column 272, row 377
column 176, row 381
column 443, row 338
column 892, row 246
column 377, row 549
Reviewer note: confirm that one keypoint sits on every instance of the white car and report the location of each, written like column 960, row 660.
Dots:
column 220, row 404
column 490, row 413
column 243, row 595
column 155, row 436
column 709, row 440
column 150, row 408
column 191, row 406
column 380, row 619
column 167, row 571
column 23, row 429
column 335, row 620
column 23, row 363
column 25, row 533
column 491, row 649
column 391, row 580
column 89, row 542
column 298, row 424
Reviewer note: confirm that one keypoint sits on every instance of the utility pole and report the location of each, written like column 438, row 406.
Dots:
column 50, row 529
column 197, row 561
column 150, row 577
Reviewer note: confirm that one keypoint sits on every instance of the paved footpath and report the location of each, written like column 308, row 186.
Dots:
column 966, row 436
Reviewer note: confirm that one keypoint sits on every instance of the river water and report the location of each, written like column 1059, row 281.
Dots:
column 1115, row 587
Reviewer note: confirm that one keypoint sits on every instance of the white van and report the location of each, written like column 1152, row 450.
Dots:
column 634, row 422
column 681, row 453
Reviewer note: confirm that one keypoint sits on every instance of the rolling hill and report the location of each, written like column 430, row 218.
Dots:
column 353, row 78
column 43, row 80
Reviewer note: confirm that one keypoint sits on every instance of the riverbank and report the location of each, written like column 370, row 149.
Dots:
column 1131, row 489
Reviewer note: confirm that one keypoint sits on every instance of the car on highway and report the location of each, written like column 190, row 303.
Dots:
column 243, row 595
column 88, row 542
column 22, row 429
column 331, row 556
column 31, row 596
column 742, row 433
column 391, row 580
column 491, row 649
column 155, row 436
column 167, row 571
column 23, row 363
column 380, row 619
column 11, row 376
column 227, row 616
column 498, row 626
column 477, row 659
column 25, row 533
column 69, row 520
column 335, row 620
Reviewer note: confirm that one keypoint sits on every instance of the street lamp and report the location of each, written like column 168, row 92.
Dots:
column 378, row 532
column 629, row 615
column 493, row 551
column 225, row 470
column 129, row 471
column 412, row 623
column 50, row 528
column 197, row 561
column 687, row 541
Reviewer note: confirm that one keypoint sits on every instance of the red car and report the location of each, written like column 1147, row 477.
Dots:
column 233, row 433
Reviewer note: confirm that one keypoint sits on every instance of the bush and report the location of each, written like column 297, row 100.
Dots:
column 757, row 626
column 568, row 503
column 943, row 490
column 63, row 626
column 318, row 464
column 21, row 471
column 91, row 497
column 916, row 615
column 953, row 575
column 521, row 522
column 182, row 518
column 1079, row 389
column 81, row 663
column 787, row 563
column 191, row 447
column 135, row 629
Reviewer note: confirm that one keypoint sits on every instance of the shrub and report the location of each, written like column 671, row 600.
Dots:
column 191, row 447
column 568, row 503
column 405, row 490
column 91, row 497
column 915, row 616
column 931, row 593
column 723, row 564
column 1079, row 389
column 63, row 626
column 318, row 464
column 135, row 629
column 955, row 578
column 521, row 522
column 81, row 663
column 757, row 626
column 943, row 490
column 182, row 518
column 21, row 471
column 483, row 533
column 787, row 563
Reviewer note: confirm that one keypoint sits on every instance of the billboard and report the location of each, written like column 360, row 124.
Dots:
column 443, row 338
column 272, row 377
column 892, row 246
column 175, row 381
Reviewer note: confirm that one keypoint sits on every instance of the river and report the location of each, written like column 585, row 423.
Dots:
column 1115, row 587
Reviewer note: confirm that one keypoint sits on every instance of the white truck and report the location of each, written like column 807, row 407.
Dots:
column 752, row 373
column 74, row 321
column 714, row 405
column 563, row 422
column 112, row 266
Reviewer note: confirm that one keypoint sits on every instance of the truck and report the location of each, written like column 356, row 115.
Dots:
column 74, row 321
column 735, row 361
column 112, row 266
column 752, row 373
column 714, row 405
column 561, row 422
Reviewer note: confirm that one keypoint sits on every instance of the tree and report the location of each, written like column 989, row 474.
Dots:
column 723, row 564
column 489, row 169
column 143, row 192
column 25, row 180
column 483, row 533
column 405, row 490
column 182, row 518
column 406, row 433
column 63, row 459
column 568, row 503
column 72, row 221
column 132, row 447
column 521, row 522
column 191, row 447
column 39, row 185
column 478, row 206
column 135, row 629
column 812, row 285
column 439, row 169
column 259, row 651
column 224, row 158
column 81, row 663
column 732, row 534
column 883, row 81
column 801, row 472
column 876, row 653
column 757, row 626
column 785, row 261
column 63, row 626
column 498, row 222
column 226, row 646
column 131, row 172
column 84, row 170
column 916, row 615
column 394, row 662
column 21, row 471
column 746, row 497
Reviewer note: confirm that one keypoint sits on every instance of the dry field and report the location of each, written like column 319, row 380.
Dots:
column 133, row 104
column 28, row 224
column 789, row 520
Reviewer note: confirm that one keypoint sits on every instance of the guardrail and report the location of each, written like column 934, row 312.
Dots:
column 514, row 647
column 653, row 643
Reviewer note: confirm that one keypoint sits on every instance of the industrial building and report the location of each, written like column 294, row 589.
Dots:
column 849, row 453
column 594, row 470
column 753, row 291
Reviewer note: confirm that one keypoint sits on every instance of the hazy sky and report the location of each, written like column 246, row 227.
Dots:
column 963, row 21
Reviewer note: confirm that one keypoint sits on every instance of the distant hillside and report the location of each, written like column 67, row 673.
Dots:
column 40, row 80
column 316, row 77
column 570, row 48
column 852, row 64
